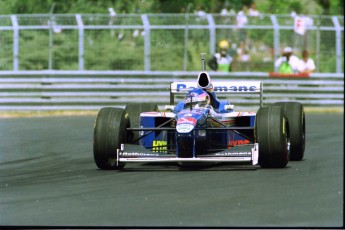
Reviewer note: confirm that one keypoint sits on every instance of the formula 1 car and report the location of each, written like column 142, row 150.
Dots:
column 200, row 128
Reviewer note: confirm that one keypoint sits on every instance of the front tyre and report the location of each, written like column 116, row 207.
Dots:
column 109, row 134
column 272, row 135
column 295, row 114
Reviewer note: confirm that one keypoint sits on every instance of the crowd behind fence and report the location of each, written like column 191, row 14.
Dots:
column 162, row 42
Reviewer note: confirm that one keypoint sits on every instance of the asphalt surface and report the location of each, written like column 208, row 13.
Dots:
column 48, row 178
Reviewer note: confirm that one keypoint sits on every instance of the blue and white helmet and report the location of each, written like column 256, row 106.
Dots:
column 197, row 96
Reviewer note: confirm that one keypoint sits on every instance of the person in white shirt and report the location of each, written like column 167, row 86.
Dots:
column 200, row 12
column 287, row 63
column 306, row 64
column 241, row 21
column 253, row 11
column 241, row 18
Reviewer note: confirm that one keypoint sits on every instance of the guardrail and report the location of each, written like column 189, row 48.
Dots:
column 91, row 90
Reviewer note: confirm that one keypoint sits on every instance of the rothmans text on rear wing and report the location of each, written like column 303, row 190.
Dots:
column 220, row 87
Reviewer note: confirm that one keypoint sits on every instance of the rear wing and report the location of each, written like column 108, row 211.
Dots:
column 220, row 87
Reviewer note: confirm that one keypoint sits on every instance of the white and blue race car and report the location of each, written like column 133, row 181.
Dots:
column 201, row 128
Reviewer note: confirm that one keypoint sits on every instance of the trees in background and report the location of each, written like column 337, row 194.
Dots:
column 327, row 7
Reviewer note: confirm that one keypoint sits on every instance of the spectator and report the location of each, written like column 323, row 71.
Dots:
column 200, row 12
column 227, row 10
column 242, row 20
column 233, row 50
column 306, row 64
column 225, row 13
column 287, row 63
column 241, row 17
column 253, row 11
column 221, row 61
column 112, row 15
column 244, row 58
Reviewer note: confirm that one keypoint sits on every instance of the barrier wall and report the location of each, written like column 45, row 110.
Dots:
column 91, row 90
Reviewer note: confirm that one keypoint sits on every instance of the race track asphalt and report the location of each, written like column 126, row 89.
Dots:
column 48, row 178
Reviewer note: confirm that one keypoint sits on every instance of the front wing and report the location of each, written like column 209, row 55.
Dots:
column 241, row 153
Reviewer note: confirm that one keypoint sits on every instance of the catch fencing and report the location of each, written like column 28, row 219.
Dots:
column 163, row 42
column 92, row 90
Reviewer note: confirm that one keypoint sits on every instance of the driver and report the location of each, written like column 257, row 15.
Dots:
column 197, row 98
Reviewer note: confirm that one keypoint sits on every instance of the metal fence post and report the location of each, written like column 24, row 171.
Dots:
column 212, row 33
column 276, row 39
column 186, row 31
column 185, row 58
column 51, row 36
column 147, row 60
column 337, row 43
column 318, row 42
column 15, row 42
column 80, row 41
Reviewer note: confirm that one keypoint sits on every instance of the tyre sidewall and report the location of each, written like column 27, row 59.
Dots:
column 295, row 114
column 109, row 134
column 272, row 133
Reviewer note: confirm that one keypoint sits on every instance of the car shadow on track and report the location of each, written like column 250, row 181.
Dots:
column 192, row 167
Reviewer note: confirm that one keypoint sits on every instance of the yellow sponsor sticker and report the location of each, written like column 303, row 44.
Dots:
column 159, row 146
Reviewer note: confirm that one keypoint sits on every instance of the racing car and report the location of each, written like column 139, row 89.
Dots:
column 200, row 128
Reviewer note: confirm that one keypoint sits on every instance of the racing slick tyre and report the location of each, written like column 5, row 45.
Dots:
column 295, row 114
column 272, row 135
column 109, row 134
column 134, row 111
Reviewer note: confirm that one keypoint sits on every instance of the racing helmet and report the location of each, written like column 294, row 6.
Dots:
column 224, row 45
column 197, row 97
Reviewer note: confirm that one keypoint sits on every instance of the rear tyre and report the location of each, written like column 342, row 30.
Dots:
column 295, row 114
column 109, row 134
column 272, row 135
column 134, row 111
